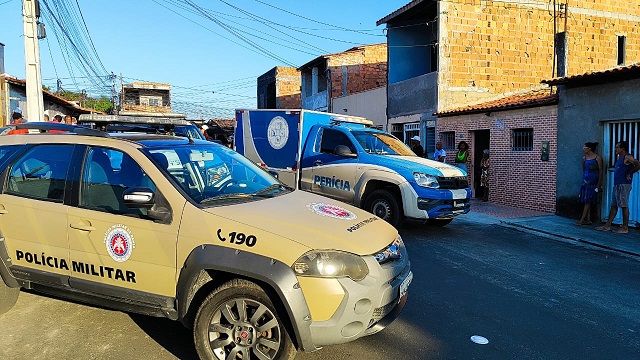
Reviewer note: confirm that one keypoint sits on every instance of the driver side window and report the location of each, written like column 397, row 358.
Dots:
column 332, row 138
column 107, row 173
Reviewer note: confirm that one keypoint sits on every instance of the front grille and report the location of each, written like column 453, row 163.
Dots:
column 447, row 205
column 455, row 182
column 382, row 311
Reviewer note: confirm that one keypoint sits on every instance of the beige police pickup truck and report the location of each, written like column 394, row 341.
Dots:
column 191, row 230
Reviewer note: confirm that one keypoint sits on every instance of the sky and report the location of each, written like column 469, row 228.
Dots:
column 210, row 51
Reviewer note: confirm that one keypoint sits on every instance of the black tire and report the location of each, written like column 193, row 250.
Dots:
column 384, row 205
column 228, row 322
column 439, row 222
column 8, row 297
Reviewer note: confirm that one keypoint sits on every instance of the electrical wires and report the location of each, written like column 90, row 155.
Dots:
column 80, row 56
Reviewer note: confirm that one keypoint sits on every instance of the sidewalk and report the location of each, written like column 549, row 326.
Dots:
column 554, row 227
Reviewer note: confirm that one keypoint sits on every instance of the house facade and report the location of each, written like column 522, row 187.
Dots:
column 279, row 88
column 337, row 75
column 448, row 54
column 520, row 132
column 13, row 95
column 603, row 107
column 146, row 98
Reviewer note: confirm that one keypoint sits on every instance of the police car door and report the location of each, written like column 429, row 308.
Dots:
column 33, row 216
column 333, row 169
column 113, row 246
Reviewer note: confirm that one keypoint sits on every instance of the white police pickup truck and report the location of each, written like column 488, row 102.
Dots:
column 342, row 157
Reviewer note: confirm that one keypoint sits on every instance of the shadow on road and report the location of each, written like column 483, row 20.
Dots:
column 169, row 334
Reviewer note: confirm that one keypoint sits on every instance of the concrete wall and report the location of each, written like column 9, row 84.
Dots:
column 516, row 178
column 371, row 104
column 413, row 96
column 582, row 112
column 316, row 102
column 410, row 57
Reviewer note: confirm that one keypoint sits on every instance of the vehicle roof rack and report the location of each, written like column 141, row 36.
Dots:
column 53, row 127
column 338, row 119
column 102, row 120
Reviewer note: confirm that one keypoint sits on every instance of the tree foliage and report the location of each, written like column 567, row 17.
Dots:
column 102, row 103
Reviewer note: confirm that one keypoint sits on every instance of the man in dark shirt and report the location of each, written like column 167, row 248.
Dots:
column 416, row 147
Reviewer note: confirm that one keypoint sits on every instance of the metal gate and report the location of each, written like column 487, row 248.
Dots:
column 614, row 132
column 411, row 130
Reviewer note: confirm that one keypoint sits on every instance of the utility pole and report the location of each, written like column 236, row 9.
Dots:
column 35, row 103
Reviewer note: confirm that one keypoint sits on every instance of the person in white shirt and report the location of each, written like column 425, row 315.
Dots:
column 439, row 154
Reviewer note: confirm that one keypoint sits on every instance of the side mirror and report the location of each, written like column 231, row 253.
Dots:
column 344, row 151
column 138, row 198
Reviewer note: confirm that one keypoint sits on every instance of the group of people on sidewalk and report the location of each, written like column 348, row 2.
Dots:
column 17, row 118
column 592, row 175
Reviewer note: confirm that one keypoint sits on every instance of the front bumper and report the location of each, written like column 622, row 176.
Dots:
column 368, row 305
column 444, row 209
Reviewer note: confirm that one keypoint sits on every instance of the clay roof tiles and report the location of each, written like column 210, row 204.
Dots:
column 619, row 73
column 533, row 98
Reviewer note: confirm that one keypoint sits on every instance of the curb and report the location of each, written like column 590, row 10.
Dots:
column 562, row 238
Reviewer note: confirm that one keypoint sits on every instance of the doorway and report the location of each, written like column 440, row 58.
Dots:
column 480, row 141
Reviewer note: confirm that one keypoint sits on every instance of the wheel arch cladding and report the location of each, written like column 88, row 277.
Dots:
column 209, row 265
column 376, row 184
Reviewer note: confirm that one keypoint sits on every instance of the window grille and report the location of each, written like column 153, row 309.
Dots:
column 522, row 140
column 448, row 139
column 411, row 130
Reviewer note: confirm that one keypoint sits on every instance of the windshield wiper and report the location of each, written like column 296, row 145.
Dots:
column 265, row 192
column 225, row 197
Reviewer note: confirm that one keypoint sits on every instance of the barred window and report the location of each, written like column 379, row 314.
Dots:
column 448, row 139
column 522, row 140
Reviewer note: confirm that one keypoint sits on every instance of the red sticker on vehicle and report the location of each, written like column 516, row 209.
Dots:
column 331, row 211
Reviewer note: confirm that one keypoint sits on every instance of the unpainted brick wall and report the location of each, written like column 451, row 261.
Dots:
column 516, row 178
column 366, row 69
column 490, row 48
column 288, row 88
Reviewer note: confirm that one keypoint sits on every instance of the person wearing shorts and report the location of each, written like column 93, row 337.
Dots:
column 626, row 166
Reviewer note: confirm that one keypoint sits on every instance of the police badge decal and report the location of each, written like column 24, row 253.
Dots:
column 119, row 242
column 333, row 211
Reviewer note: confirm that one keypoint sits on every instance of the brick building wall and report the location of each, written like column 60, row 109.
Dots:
column 288, row 88
column 365, row 68
column 489, row 48
column 516, row 178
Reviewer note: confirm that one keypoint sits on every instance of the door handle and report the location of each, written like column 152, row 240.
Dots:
column 318, row 162
column 3, row 210
column 82, row 226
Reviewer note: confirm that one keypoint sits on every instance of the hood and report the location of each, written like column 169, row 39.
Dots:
column 314, row 221
column 419, row 164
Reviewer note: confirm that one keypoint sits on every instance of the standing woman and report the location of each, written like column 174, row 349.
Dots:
column 462, row 156
column 591, row 181
column 484, row 175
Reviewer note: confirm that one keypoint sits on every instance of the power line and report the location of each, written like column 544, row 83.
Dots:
column 315, row 21
column 289, row 27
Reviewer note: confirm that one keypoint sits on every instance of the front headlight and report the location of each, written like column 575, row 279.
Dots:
column 331, row 264
column 425, row 180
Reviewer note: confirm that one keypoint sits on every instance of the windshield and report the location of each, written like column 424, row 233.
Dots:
column 381, row 143
column 190, row 131
column 211, row 173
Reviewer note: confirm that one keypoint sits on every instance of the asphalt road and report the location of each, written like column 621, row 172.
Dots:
column 531, row 297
